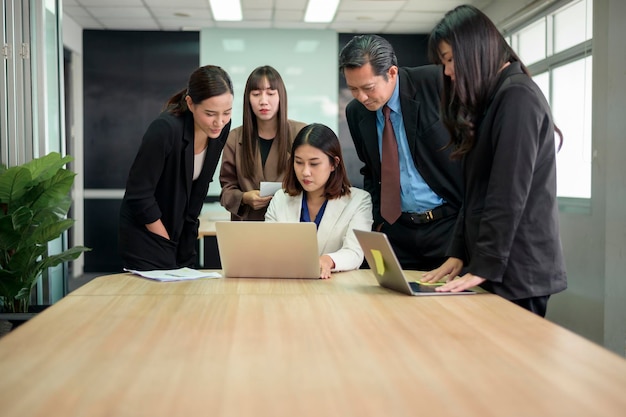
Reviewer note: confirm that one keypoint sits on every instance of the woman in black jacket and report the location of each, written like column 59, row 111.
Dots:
column 170, row 175
column 507, row 233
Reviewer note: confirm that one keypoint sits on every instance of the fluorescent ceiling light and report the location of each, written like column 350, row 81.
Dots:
column 226, row 10
column 321, row 11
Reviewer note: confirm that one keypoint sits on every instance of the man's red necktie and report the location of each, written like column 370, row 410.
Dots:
column 390, row 206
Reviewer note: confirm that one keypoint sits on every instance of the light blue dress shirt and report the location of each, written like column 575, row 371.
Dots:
column 416, row 195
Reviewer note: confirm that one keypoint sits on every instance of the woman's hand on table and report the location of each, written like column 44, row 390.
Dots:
column 326, row 265
column 463, row 283
column 448, row 270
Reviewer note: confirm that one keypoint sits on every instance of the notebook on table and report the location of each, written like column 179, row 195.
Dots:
column 268, row 250
column 387, row 269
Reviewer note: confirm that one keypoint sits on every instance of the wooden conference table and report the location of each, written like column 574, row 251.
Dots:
column 126, row 346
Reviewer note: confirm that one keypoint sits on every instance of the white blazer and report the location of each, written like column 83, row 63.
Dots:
column 335, row 236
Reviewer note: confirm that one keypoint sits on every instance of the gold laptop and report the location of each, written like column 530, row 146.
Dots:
column 268, row 250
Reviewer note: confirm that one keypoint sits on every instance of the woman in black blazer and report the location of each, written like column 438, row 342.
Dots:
column 170, row 175
column 501, row 126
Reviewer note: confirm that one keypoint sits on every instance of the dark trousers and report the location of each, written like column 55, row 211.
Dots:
column 537, row 305
column 420, row 247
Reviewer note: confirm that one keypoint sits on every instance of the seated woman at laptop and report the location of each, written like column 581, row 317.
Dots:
column 317, row 189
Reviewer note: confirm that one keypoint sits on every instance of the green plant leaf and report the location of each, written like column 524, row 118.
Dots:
column 25, row 261
column 52, row 191
column 48, row 232
column 14, row 183
column 46, row 167
column 9, row 237
column 34, row 202
column 10, row 285
column 21, row 217
column 51, row 214
column 66, row 256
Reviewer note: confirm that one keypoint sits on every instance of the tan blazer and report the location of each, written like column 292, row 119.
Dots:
column 335, row 236
column 234, row 184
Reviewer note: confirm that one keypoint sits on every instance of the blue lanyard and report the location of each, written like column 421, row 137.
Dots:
column 306, row 217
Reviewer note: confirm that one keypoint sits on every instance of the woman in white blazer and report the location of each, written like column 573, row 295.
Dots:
column 317, row 189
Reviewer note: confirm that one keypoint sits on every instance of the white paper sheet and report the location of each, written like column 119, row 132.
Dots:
column 181, row 274
column 269, row 188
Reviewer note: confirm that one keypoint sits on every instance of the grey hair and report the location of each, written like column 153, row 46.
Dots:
column 364, row 49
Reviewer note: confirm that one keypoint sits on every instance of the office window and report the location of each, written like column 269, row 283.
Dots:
column 543, row 81
column 556, row 47
column 572, row 25
column 571, row 107
column 532, row 42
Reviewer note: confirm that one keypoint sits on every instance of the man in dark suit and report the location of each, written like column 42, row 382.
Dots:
column 430, row 182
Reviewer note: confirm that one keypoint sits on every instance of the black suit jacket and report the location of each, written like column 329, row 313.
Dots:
column 160, row 186
column 508, row 230
column 426, row 135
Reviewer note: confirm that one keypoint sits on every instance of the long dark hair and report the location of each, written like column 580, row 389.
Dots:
column 250, row 126
column 205, row 82
column 479, row 52
column 323, row 138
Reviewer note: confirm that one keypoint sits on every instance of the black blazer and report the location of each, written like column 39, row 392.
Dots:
column 508, row 230
column 160, row 186
column 426, row 135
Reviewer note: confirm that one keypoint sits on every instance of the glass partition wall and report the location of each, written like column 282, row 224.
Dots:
column 31, row 107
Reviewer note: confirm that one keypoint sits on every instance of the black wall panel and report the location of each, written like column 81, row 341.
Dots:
column 101, row 221
column 127, row 78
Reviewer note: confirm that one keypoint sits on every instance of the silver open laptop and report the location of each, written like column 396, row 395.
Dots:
column 268, row 250
column 386, row 267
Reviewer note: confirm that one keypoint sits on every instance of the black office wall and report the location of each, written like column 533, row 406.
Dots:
column 127, row 78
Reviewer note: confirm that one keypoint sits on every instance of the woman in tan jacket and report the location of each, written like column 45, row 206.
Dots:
column 258, row 150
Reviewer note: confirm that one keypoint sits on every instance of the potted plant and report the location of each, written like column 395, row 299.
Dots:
column 34, row 201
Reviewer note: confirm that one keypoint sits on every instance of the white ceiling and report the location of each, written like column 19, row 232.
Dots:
column 360, row 16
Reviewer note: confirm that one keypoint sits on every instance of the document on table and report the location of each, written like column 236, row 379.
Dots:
column 180, row 274
column 269, row 188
